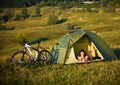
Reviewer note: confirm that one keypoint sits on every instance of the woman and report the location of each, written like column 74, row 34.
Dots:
column 82, row 56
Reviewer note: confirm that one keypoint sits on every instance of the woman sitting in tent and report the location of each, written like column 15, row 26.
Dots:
column 83, row 57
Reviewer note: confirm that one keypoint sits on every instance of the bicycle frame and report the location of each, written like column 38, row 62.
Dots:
column 30, row 52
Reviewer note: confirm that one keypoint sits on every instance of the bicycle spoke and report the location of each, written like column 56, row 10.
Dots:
column 45, row 56
column 20, row 58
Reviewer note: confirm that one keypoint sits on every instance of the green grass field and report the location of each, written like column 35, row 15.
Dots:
column 106, row 25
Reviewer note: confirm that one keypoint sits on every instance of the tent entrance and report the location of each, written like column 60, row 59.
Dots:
column 86, row 44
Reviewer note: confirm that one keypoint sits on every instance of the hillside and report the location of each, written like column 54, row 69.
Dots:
column 104, row 24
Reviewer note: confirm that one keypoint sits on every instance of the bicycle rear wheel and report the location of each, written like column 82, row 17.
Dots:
column 45, row 57
column 20, row 58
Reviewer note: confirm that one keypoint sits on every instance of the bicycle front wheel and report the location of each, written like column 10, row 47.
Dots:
column 20, row 58
column 45, row 57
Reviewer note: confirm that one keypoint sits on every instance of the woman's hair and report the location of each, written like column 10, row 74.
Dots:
column 82, row 51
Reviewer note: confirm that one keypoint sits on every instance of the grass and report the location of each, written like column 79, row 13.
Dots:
column 106, row 25
column 105, row 73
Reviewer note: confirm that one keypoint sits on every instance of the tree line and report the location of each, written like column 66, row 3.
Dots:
column 69, row 3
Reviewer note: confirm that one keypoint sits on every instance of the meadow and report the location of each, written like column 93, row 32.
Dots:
column 106, row 25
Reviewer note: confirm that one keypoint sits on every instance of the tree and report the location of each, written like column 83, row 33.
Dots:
column 24, row 13
column 53, row 19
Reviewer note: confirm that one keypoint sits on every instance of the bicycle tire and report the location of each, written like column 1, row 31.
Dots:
column 21, row 58
column 45, row 57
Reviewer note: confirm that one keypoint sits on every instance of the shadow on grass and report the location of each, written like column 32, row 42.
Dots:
column 117, row 52
column 62, row 20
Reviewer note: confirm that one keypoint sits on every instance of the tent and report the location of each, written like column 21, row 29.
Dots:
column 65, row 51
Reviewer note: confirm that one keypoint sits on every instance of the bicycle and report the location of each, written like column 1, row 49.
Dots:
column 31, row 54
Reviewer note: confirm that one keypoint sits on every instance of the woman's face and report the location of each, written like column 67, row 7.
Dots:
column 82, row 53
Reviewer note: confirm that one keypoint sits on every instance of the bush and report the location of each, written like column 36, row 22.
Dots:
column 18, row 17
column 5, row 18
column 88, row 8
column 53, row 19
column 70, row 26
column 2, row 20
column 2, row 27
column 8, row 14
column 20, row 38
column 24, row 13
column 10, row 28
column 51, row 3
column 42, row 4
column 1, row 11
column 95, row 10
column 37, row 10
column 109, row 9
column 65, row 5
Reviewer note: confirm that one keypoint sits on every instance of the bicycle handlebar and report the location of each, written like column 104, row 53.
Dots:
column 24, row 41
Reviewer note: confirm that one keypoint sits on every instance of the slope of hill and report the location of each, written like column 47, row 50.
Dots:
column 102, row 23
column 106, row 25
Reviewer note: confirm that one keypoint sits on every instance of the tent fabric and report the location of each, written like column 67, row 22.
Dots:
column 68, row 47
column 105, row 50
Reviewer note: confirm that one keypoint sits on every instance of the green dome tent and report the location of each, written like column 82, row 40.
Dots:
column 69, row 46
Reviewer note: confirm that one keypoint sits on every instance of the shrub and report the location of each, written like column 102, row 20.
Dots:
column 2, row 27
column 53, row 19
column 10, row 28
column 33, row 16
column 8, row 14
column 2, row 19
column 104, row 2
column 24, row 13
column 71, row 26
column 42, row 4
column 51, row 3
column 109, row 9
column 1, row 11
column 83, row 9
column 5, row 18
column 37, row 10
column 95, row 10
column 21, row 38
column 88, row 8
column 18, row 17
column 65, row 5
